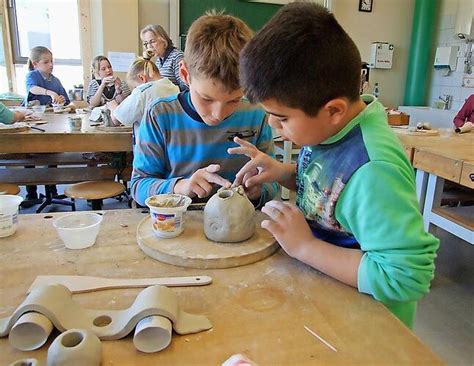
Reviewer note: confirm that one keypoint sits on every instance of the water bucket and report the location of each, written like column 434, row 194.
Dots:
column 9, row 214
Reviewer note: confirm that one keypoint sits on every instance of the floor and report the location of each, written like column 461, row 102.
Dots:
column 445, row 318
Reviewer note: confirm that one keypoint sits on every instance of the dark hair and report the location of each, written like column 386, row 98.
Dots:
column 302, row 58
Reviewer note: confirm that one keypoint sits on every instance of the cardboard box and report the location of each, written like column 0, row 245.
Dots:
column 398, row 119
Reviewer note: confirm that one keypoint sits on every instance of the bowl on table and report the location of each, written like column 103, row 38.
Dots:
column 38, row 110
column 78, row 230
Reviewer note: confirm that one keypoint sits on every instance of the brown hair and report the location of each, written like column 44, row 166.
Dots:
column 35, row 55
column 159, row 32
column 142, row 65
column 213, row 45
column 302, row 58
column 95, row 66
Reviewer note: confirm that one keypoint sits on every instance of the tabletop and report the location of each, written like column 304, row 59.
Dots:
column 259, row 309
column 448, row 155
column 58, row 137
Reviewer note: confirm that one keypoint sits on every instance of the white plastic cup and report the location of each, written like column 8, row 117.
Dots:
column 152, row 334
column 78, row 230
column 167, row 222
column 30, row 331
column 75, row 123
column 9, row 214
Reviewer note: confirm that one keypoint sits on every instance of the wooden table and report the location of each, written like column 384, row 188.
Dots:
column 60, row 147
column 59, row 138
column 258, row 309
column 447, row 156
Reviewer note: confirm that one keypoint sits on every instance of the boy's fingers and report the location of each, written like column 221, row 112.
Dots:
column 240, row 150
column 213, row 168
column 217, row 179
column 243, row 142
column 271, row 226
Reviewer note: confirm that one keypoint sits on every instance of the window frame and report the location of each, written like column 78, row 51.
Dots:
column 15, row 40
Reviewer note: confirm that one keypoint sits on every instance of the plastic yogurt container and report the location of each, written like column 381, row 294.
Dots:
column 166, row 211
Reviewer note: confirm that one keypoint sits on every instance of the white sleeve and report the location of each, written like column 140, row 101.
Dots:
column 130, row 110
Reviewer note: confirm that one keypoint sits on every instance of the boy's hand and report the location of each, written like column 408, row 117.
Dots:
column 201, row 182
column 267, row 168
column 60, row 99
column 288, row 225
column 54, row 96
column 253, row 192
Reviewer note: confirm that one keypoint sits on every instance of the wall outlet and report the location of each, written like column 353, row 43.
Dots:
column 468, row 81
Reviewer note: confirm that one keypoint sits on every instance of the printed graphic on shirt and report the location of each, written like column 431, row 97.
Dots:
column 323, row 172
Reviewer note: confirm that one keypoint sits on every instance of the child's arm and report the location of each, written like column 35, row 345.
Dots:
column 7, row 116
column 38, row 90
column 464, row 112
column 269, row 169
column 289, row 227
column 94, row 93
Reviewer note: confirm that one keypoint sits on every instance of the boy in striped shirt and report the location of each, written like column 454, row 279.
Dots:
column 183, row 139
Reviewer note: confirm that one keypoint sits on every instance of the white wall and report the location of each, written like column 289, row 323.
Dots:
column 390, row 21
column 451, row 84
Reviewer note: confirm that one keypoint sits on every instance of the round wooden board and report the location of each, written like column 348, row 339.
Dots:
column 192, row 249
column 14, row 129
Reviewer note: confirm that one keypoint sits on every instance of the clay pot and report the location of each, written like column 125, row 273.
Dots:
column 75, row 347
column 229, row 216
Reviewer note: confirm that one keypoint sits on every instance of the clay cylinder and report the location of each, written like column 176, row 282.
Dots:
column 30, row 331
column 75, row 347
column 229, row 216
column 152, row 334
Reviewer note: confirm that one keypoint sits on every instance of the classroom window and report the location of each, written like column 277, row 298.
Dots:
column 50, row 23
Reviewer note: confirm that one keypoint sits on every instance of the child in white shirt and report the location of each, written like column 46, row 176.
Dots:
column 148, row 85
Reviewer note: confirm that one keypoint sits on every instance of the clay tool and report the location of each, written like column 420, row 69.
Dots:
column 320, row 338
column 37, row 128
column 79, row 284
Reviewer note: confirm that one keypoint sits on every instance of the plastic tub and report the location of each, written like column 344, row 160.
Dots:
column 38, row 110
column 9, row 214
column 166, row 211
column 78, row 230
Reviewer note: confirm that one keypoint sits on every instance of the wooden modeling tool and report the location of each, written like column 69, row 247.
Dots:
column 79, row 284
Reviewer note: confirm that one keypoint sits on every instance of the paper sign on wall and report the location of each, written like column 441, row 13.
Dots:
column 121, row 61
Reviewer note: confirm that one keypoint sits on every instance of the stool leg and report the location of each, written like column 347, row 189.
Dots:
column 96, row 205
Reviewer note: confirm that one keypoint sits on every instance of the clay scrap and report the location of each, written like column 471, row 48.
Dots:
column 56, row 304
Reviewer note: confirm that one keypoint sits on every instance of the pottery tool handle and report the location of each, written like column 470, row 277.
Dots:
column 165, row 281
column 78, row 284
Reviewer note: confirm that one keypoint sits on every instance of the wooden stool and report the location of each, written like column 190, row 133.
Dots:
column 94, row 191
column 7, row 188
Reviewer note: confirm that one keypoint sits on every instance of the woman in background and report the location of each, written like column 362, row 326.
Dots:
column 104, row 86
column 168, row 57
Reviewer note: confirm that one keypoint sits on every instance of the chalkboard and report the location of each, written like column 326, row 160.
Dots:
column 253, row 13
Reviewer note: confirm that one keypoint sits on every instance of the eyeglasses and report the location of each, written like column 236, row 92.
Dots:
column 146, row 43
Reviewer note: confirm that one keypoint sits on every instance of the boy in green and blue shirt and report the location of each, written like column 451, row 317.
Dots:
column 356, row 216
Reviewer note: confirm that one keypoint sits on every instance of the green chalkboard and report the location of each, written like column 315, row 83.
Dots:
column 253, row 13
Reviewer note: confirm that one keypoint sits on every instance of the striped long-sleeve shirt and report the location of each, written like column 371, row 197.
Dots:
column 94, row 86
column 173, row 142
column 169, row 67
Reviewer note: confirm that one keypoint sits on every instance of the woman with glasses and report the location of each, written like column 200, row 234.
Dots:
column 168, row 57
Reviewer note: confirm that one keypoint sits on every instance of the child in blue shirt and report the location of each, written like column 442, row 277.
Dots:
column 41, row 84
column 183, row 139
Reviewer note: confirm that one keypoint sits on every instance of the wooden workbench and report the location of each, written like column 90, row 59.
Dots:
column 59, row 138
column 258, row 309
column 447, row 156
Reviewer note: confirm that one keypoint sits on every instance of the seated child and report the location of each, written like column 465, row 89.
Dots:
column 41, row 84
column 183, row 139
column 356, row 216
column 147, row 84
column 8, row 116
column 104, row 86
column 466, row 113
